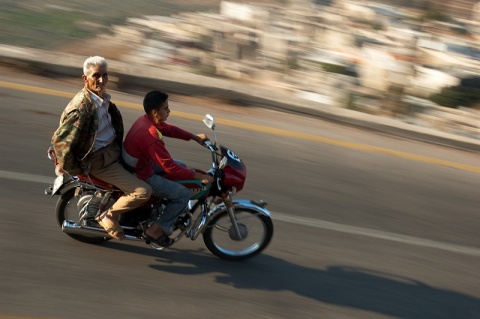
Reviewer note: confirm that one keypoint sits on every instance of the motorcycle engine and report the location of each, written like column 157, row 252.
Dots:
column 89, row 204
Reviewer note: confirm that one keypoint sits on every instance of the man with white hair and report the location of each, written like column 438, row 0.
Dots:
column 89, row 140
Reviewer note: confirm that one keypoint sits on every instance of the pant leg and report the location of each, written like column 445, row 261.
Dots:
column 159, row 170
column 177, row 197
column 107, row 167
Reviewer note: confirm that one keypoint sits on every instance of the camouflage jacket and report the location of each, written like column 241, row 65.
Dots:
column 74, row 138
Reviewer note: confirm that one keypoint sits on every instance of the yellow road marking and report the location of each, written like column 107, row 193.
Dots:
column 270, row 130
column 29, row 88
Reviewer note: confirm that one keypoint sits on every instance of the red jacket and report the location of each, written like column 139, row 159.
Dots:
column 145, row 142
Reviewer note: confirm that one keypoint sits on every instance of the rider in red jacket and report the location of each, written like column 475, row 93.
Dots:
column 144, row 142
column 144, row 149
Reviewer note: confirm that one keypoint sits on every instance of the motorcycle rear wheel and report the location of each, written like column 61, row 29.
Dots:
column 256, row 230
column 67, row 209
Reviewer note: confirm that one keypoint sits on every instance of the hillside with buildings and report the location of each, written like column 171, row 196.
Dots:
column 366, row 56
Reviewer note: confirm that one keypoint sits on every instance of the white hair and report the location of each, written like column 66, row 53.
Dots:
column 93, row 61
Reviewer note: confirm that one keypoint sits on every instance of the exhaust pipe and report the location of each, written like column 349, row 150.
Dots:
column 72, row 228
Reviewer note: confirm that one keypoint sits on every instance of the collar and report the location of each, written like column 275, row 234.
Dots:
column 160, row 124
column 98, row 100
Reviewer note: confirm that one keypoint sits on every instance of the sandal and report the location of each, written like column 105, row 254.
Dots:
column 163, row 240
column 111, row 225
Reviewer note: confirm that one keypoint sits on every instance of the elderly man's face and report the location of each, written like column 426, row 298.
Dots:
column 97, row 79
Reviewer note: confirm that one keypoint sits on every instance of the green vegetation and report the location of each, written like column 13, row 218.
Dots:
column 41, row 24
column 377, row 26
column 30, row 28
column 336, row 68
column 465, row 94
column 327, row 67
column 460, row 30
column 438, row 16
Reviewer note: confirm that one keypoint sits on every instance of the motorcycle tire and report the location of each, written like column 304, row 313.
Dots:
column 66, row 201
column 256, row 230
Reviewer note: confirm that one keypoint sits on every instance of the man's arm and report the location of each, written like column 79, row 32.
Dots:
column 173, row 131
column 159, row 154
column 65, row 141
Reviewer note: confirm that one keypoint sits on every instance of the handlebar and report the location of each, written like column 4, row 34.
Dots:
column 210, row 146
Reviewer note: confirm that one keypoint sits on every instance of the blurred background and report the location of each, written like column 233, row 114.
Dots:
column 415, row 61
column 368, row 224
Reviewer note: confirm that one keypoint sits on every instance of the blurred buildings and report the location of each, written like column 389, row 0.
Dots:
column 362, row 55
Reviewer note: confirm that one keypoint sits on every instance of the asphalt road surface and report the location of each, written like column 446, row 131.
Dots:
column 366, row 225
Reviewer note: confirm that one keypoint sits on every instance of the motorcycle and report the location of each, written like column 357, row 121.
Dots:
column 232, row 229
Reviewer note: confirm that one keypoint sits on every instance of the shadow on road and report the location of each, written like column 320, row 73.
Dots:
column 345, row 286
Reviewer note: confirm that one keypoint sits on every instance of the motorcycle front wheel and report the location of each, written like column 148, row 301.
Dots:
column 256, row 232
column 67, row 209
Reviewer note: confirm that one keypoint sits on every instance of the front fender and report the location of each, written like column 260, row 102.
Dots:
column 239, row 204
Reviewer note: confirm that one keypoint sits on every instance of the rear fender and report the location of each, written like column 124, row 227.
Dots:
column 63, row 184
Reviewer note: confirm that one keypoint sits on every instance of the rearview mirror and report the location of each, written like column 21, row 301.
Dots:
column 209, row 121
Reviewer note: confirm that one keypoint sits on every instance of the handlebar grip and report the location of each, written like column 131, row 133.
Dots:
column 209, row 145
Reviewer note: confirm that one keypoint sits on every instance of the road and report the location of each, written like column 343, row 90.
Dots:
column 366, row 225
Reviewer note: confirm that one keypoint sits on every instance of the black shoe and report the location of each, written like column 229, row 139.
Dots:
column 163, row 241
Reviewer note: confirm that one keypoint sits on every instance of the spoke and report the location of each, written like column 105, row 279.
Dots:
column 242, row 217
column 222, row 228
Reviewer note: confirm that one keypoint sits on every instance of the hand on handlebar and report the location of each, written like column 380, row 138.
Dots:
column 201, row 139
column 204, row 178
column 207, row 179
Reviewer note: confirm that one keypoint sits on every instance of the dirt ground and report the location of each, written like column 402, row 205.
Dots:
column 111, row 50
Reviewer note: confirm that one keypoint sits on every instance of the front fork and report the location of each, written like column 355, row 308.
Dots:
column 227, row 199
column 202, row 219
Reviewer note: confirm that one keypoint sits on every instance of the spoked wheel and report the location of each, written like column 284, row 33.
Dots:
column 255, row 229
column 68, row 207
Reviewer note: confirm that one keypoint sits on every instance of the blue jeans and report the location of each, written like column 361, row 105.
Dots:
column 177, row 197
column 159, row 170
